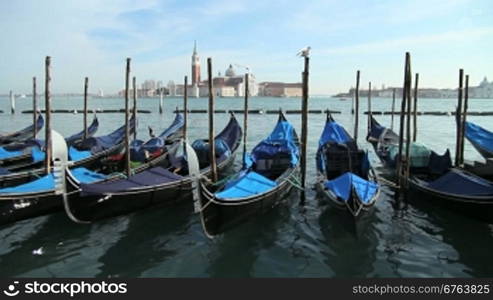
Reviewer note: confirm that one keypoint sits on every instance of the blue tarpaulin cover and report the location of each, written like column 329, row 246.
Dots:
column 37, row 154
column 335, row 133
column 76, row 155
column 150, row 177
column 84, row 175
column 479, row 136
column 281, row 140
column 248, row 184
column 45, row 183
column 8, row 154
column 342, row 185
column 459, row 182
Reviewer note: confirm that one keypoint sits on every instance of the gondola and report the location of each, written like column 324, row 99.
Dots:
column 458, row 190
column 17, row 155
column 480, row 138
column 267, row 177
column 385, row 142
column 89, row 153
column 141, row 151
column 46, row 193
column 156, row 185
column 344, row 175
column 22, row 134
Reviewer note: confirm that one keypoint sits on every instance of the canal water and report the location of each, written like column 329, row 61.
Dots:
column 311, row 240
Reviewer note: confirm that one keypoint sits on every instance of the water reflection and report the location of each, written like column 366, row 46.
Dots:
column 144, row 242
column 351, row 245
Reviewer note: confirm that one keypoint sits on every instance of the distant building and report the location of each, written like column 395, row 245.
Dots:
column 279, row 89
column 483, row 90
column 229, row 85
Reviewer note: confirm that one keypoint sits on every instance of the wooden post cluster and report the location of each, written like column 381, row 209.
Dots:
column 415, row 108
column 212, row 146
column 356, row 109
column 128, row 170
column 86, row 86
column 458, row 118
column 185, row 108
column 134, row 109
column 35, row 108
column 245, row 118
column 48, row 149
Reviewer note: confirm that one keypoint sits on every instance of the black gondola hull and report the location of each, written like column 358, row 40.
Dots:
column 476, row 208
column 219, row 216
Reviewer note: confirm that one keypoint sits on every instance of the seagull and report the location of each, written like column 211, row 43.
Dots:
column 305, row 52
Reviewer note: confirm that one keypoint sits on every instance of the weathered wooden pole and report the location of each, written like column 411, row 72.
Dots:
column 304, row 120
column 369, row 106
column 393, row 110
column 12, row 102
column 185, row 109
column 415, row 108
column 458, row 119
column 86, row 86
column 212, row 146
column 245, row 119
column 127, row 121
column 408, row 119
column 161, row 101
column 356, row 109
column 464, row 118
column 400, row 161
column 35, row 109
column 48, row 145
column 134, row 109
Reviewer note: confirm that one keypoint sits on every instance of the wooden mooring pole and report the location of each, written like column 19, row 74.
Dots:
column 356, row 108
column 12, row 102
column 48, row 145
column 401, row 166
column 464, row 118
column 185, row 109
column 161, row 101
column 128, row 170
column 393, row 110
column 134, row 109
column 35, row 109
column 408, row 122
column 369, row 107
column 86, row 86
column 458, row 119
column 304, row 120
column 415, row 108
column 245, row 119
column 212, row 145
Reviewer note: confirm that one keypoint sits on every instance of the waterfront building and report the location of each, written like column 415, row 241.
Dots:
column 280, row 89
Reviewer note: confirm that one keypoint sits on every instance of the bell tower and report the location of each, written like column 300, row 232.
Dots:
column 195, row 66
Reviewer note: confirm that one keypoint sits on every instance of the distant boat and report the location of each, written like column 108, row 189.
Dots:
column 342, row 99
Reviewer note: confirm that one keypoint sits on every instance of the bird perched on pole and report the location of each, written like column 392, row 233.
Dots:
column 305, row 52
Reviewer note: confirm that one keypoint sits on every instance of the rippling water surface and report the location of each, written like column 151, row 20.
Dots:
column 399, row 239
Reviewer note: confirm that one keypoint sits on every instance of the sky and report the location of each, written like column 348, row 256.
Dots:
column 94, row 37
